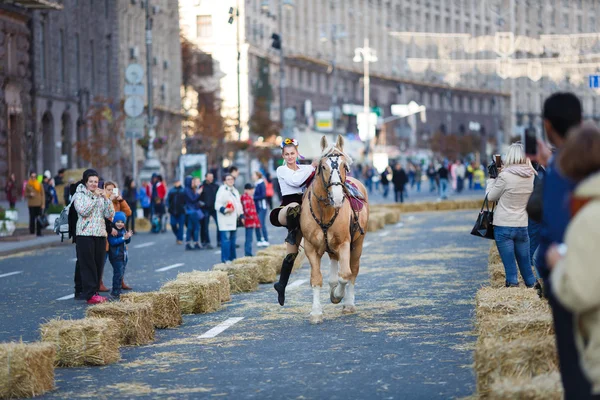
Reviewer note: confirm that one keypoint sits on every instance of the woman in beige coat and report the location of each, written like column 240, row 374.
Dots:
column 575, row 277
column 511, row 189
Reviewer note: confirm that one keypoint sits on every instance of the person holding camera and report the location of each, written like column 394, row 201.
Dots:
column 511, row 185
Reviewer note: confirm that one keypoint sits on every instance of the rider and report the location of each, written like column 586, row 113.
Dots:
column 293, row 178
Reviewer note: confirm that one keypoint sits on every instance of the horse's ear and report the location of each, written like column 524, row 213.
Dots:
column 340, row 143
column 324, row 143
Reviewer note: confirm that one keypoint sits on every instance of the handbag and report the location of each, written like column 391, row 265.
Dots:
column 240, row 222
column 43, row 221
column 484, row 227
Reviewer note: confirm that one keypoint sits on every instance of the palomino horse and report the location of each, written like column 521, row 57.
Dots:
column 330, row 224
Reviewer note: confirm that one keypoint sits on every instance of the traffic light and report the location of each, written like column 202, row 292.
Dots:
column 276, row 41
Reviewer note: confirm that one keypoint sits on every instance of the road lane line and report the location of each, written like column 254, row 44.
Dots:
column 11, row 273
column 218, row 252
column 67, row 297
column 220, row 328
column 410, row 218
column 169, row 267
column 384, row 234
column 139, row 246
column 366, row 244
column 296, row 284
column 400, row 224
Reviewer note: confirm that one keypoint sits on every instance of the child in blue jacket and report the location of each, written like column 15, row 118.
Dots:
column 117, row 252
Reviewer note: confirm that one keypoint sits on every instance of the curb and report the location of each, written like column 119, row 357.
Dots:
column 38, row 246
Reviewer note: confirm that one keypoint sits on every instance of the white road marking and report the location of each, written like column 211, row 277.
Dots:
column 366, row 244
column 400, row 224
column 410, row 218
column 297, row 283
column 168, row 267
column 67, row 297
column 142, row 245
column 220, row 328
column 384, row 234
column 218, row 252
column 11, row 273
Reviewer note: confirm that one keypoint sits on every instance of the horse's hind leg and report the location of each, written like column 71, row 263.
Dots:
column 348, row 306
column 316, row 282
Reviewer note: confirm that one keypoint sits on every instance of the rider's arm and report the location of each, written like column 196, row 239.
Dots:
column 295, row 178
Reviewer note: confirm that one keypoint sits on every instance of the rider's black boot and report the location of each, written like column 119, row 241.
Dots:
column 284, row 277
column 293, row 224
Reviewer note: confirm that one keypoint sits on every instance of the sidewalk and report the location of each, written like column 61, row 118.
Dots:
column 37, row 243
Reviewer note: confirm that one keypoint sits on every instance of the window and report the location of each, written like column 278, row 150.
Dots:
column 204, row 26
column 42, row 33
column 580, row 23
column 61, row 55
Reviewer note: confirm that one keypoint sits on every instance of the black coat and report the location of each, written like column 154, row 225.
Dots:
column 209, row 195
column 399, row 179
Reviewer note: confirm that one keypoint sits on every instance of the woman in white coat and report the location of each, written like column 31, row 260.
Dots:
column 229, row 208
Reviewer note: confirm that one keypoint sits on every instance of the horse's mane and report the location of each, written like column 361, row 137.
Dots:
column 331, row 148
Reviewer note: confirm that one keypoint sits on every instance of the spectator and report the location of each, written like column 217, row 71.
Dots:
column 251, row 219
column 92, row 208
column 260, row 201
column 411, row 174
column 460, row 172
column 36, row 201
column 470, row 173
column 270, row 190
column 478, row 178
column 117, row 253
column 11, row 190
column 418, row 176
column 511, row 189
column 59, row 179
column 533, row 227
column 131, row 197
column 157, row 201
column 176, row 200
column 49, row 193
column 386, row 177
column 229, row 209
column 368, row 176
column 575, row 274
column 399, row 178
column 443, row 174
column 67, row 192
column 193, row 212
column 561, row 113
column 234, row 171
column 208, row 196
column 431, row 174
column 144, row 198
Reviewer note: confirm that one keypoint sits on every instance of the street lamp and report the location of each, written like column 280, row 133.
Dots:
column 366, row 55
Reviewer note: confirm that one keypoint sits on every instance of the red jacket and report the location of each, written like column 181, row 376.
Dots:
column 161, row 190
column 250, row 216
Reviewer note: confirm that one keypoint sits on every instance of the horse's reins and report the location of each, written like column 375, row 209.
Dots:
column 327, row 185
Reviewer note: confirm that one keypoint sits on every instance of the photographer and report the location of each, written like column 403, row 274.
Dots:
column 511, row 186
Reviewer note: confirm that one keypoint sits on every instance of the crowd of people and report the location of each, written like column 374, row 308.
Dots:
column 546, row 225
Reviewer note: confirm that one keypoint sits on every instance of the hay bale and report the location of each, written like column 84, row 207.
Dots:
column 494, row 255
column 196, row 295
column 520, row 358
column 166, row 311
column 376, row 222
column 278, row 250
column 78, row 342
column 221, row 278
column 267, row 273
column 134, row 320
column 142, row 225
column 242, row 278
column 496, row 302
column 27, row 369
column 514, row 326
column 391, row 216
column 541, row 387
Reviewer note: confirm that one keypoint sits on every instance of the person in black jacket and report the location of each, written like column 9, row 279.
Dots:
column 176, row 206
column 130, row 196
column 399, row 179
column 208, row 197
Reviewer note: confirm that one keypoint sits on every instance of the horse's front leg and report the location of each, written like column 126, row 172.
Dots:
column 316, row 282
column 344, row 273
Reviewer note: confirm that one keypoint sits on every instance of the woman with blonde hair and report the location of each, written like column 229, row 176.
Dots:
column 511, row 189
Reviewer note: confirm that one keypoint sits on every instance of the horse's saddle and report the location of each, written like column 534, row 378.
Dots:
column 356, row 198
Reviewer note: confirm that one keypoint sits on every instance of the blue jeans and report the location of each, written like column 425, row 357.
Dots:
column 193, row 228
column 177, row 223
column 513, row 242
column 248, row 244
column 386, row 190
column 262, row 215
column 118, row 273
column 444, row 188
column 533, row 228
column 431, row 184
column 228, row 245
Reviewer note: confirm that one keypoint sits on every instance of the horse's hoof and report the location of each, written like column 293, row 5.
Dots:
column 348, row 309
column 335, row 300
column 316, row 319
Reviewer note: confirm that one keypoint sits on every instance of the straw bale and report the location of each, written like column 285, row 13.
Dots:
column 513, row 326
column 166, row 310
column 242, row 278
column 391, row 216
column 278, row 250
column 541, row 387
column 134, row 320
column 494, row 256
column 26, row 369
column 74, row 174
column 197, row 295
column 142, row 225
column 221, row 284
column 520, row 358
column 376, row 222
column 267, row 272
column 504, row 301
column 78, row 342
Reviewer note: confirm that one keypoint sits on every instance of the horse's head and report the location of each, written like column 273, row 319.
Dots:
column 332, row 170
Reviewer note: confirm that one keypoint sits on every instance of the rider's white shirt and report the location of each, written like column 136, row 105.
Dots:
column 290, row 181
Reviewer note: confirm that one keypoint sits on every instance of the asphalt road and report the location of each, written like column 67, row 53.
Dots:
column 410, row 338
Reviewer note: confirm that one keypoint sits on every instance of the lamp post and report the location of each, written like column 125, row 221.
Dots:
column 366, row 55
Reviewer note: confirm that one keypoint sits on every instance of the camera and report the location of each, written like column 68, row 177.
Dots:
column 493, row 170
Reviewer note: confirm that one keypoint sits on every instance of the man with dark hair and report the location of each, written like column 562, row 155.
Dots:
column 234, row 171
column 59, row 179
column 561, row 113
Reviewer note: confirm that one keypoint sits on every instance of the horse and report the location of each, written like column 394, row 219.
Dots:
column 330, row 224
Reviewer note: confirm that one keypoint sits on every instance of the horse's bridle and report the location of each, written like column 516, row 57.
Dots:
column 335, row 167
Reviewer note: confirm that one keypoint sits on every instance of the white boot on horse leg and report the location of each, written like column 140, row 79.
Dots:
column 340, row 290
column 316, row 314
column 333, row 275
column 348, row 306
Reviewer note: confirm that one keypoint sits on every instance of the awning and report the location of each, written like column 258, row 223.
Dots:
column 38, row 4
